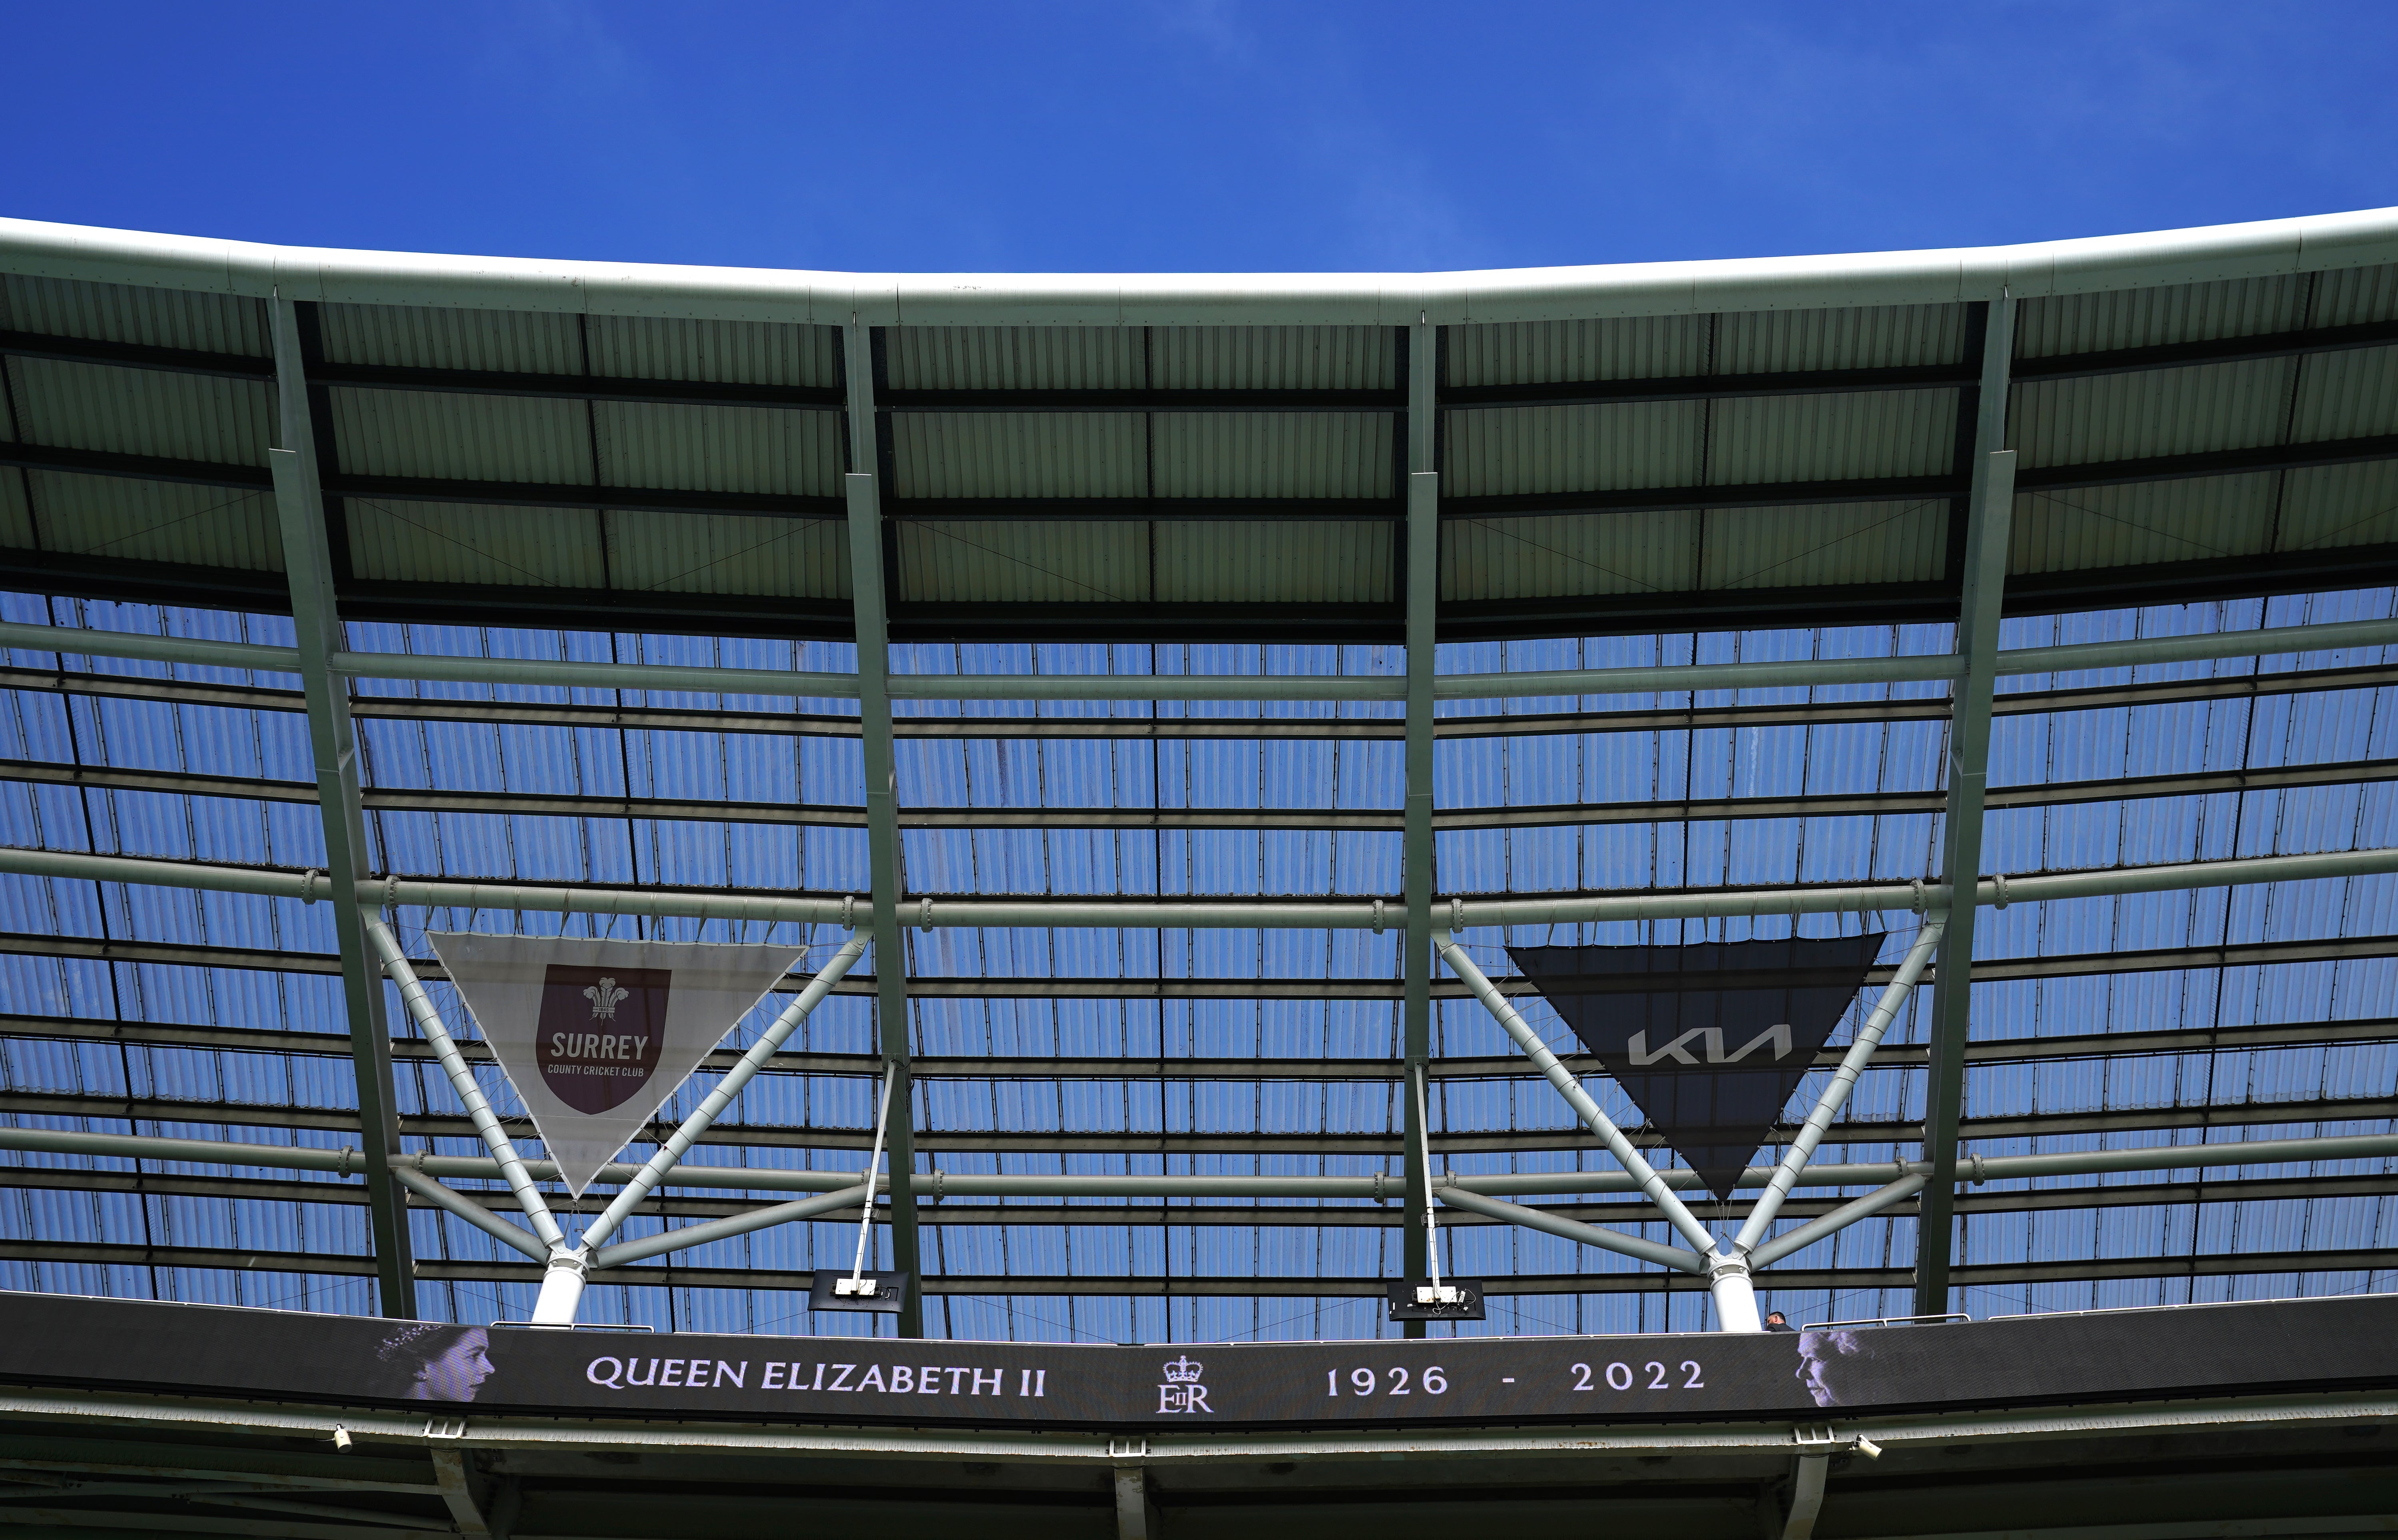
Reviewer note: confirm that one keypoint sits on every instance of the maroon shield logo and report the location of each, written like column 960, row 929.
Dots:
column 601, row 1030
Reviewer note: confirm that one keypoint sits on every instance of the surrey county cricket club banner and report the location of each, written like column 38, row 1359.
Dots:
column 595, row 1034
column 479, row 1372
column 1710, row 1039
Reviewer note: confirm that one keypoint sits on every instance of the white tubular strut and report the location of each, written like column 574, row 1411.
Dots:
column 397, row 967
column 1734, row 1296
column 1844, row 1079
column 561, row 1287
column 855, row 1283
column 769, row 1043
column 1651, row 1185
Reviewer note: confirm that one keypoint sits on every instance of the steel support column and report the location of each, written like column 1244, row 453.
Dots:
column 1423, row 597
column 865, row 576
column 1969, row 757
column 333, row 744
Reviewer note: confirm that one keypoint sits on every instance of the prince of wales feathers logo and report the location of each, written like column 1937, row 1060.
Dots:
column 1182, row 1391
column 603, row 997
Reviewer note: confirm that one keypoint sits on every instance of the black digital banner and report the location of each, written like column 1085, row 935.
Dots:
column 1708, row 1039
column 119, row 1345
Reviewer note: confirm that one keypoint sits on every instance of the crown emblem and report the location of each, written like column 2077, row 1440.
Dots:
column 1182, row 1371
column 603, row 997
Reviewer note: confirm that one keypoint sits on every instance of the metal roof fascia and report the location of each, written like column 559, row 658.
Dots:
column 2264, row 249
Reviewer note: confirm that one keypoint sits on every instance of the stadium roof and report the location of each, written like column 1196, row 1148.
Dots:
column 1637, row 467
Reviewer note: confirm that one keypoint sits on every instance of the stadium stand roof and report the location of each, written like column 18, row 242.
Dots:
column 1155, row 480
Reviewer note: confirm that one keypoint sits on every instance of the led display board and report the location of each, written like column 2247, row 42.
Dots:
column 341, row 1359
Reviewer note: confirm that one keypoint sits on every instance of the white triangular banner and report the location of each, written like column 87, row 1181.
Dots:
column 595, row 1034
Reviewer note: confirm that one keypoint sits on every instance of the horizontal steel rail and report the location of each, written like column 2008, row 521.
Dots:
column 1176, row 914
column 1997, row 1168
column 2078, row 658
column 1629, row 1280
column 1876, row 804
column 1172, row 726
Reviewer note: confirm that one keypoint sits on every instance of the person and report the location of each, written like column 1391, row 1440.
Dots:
column 430, row 1361
column 1776, row 1321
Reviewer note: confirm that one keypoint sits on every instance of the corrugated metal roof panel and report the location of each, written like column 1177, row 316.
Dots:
column 725, row 554
column 1573, row 448
column 142, row 411
column 719, row 448
column 465, row 438
column 2350, row 296
column 1831, row 543
column 1274, row 454
column 1069, row 561
column 2346, row 396
column 1545, row 557
column 1014, row 357
column 1648, row 347
column 117, row 313
column 2335, row 505
column 512, row 342
column 2048, row 326
column 1347, row 562
column 1861, row 433
column 96, row 516
column 749, row 353
column 1777, row 341
column 1004, row 454
column 16, row 514
column 2215, row 516
column 2155, row 412
column 1274, row 358
column 395, row 541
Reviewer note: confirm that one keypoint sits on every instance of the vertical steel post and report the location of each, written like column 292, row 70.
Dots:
column 1969, row 757
column 333, row 744
column 1423, row 597
column 865, row 576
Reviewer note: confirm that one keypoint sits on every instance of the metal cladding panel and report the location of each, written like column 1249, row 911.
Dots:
column 1066, row 561
column 98, row 515
column 2346, row 396
column 142, row 411
column 2107, row 417
column 1778, row 342
column 1858, row 434
column 1013, row 357
column 1649, row 347
column 1561, row 554
column 726, row 553
column 2350, row 296
column 16, row 529
column 2049, row 326
column 1274, row 358
column 395, row 541
column 2334, row 505
column 1272, row 454
column 747, row 353
column 1830, row 544
column 509, row 341
column 718, row 448
column 1348, row 562
column 2215, row 516
column 461, row 438
column 121, row 312
column 1004, row 454
column 1495, row 451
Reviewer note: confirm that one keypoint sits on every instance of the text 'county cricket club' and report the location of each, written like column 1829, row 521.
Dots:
column 600, row 1033
column 1182, row 1391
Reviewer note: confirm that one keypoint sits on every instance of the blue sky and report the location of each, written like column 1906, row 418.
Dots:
column 1190, row 134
